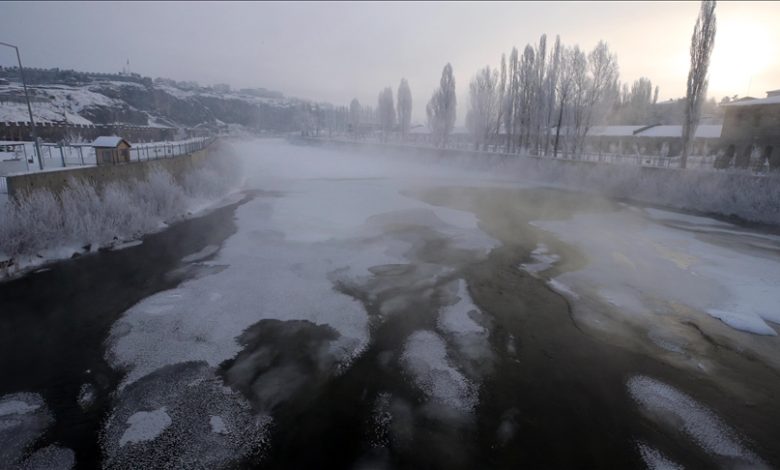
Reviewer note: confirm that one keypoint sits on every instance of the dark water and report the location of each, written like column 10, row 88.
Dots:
column 53, row 323
column 552, row 395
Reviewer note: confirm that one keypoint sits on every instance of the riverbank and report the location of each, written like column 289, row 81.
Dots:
column 86, row 216
column 732, row 195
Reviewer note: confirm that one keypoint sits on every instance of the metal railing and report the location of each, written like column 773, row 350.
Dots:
column 19, row 157
column 695, row 162
column 145, row 152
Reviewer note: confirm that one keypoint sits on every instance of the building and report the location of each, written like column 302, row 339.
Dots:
column 751, row 133
column 654, row 140
column 111, row 150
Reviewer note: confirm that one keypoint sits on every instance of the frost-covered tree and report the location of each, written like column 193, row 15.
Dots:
column 510, row 99
column 604, row 74
column 552, row 79
column 580, row 90
column 502, row 86
column 386, row 112
column 306, row 119
column 538, row 111
column 564, row 91
column 441, row 109
column 526, row 97
column 702, row 42
column 355, row 113
column 483, row 106
column 404, row 108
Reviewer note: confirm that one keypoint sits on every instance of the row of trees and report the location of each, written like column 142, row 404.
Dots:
column 389, row 115
column 541, row 100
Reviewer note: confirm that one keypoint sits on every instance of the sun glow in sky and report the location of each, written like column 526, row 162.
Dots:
column 744, row 49
column 335, row 51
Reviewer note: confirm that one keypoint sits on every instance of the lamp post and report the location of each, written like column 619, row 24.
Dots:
column 29, row 108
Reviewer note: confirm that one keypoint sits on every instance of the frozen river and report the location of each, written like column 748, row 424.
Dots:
column 365, row 311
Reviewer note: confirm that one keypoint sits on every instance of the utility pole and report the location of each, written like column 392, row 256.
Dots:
column 33, row 131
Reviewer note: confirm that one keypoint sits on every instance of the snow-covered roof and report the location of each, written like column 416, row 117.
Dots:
column 612, row 131
column 775, row 99
column 704, row 131
column 110, row 141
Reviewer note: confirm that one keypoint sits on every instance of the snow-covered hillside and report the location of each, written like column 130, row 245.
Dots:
column 151, row 104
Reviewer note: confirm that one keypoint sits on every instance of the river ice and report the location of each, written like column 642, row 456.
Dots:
column 320, row 222
column 636, row 262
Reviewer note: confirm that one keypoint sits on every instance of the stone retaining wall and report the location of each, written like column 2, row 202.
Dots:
column 55, row 181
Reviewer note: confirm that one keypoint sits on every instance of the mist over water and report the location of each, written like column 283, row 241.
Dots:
column 389, row 236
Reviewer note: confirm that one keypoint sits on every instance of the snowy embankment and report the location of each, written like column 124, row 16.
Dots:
column 44, row 227
column 732, row 193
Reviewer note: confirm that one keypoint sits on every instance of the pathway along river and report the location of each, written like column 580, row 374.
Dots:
column 386, row 315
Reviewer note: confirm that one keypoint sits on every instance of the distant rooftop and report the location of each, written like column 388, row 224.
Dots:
column 772, row 97
column 703, row 131
column 110, row 141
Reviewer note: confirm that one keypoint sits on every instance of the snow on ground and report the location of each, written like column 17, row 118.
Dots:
column 24, row 417
column 321, row 218
column 640, row 266
column 425, row 359
column 145, row 426
column 62, row 102
column 542, row 260
column 166, row 420
column 464, row 325
column 655, row 460
column 277, row 265
column 218, row 425
column 458, row 318
column 677, row 411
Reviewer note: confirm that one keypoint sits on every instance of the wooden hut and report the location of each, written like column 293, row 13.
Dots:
column 111, row 150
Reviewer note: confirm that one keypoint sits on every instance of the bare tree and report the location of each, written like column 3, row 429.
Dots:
column 441, row 109
column 483, row 106
column 539, row 113
column 702, row 42
column 565, row 88
column 510, row 99
column 603, row 82
column 527, row 87
column 502, row 84
column 553, row 74
column 404, row 108
column 386, row 111
column 580, row 82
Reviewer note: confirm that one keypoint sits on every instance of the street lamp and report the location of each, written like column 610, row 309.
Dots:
column 29, row 108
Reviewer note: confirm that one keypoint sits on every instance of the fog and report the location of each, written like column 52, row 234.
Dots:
column 389, row 235
column 334, row 52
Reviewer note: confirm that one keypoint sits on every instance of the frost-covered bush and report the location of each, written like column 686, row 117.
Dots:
column 160, row 195
column 217, row 176
column 726, row 192
column 83, row 215
column 31, row 225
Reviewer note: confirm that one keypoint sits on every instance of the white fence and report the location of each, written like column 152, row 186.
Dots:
column 19, row 157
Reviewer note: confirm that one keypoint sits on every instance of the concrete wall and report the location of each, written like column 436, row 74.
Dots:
column 99, row 176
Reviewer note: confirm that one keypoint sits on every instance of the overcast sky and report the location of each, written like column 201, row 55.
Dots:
column 336, row 51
